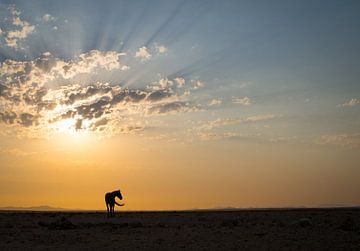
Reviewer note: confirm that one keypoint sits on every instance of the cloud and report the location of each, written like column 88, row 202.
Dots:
column 47, row 18
column 343, row 140
column 259, row 118
column 351, row 102
column 143, row 53
column 17, row 30
column 146, row 53
column 221, row 122
column 165, row 83
column 172, row 108
column 242, row 101
column 47, row 67
column 27, row 119
column 109, row 60
column 217, row 136
column 99, row 124
column 180, row 82
column 198, row 84
column 283, row 139
column 41, row 95
column 215, row 102
column 8, row 117
column 160, row 49
column 158, row 95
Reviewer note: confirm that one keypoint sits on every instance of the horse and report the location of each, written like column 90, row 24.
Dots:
column 110, row 202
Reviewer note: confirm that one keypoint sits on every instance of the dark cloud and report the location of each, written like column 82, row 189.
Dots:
column 46, row 105
column 86, row 93
column 94, row 110
column 158, row 95
column 173, row 107
column 8, row 117
column 99, row 124
column 15, row 74
column 78, row 124
column 46, row 62
column 4, row 91
column 128, row 96
column 34, row 96
column 27, row 119
column 40, row 91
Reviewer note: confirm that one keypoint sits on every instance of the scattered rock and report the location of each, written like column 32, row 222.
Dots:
column 277, row 223
column 60, row 224
column 348, row 225
column 87, row 225
column 8, row 225
column 304, row 222
column 43, row 224
column 203, row 218
column 260, row 234
column 136, row 224
column 229, row 223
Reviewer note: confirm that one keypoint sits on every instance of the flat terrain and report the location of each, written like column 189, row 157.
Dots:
column 290, row 229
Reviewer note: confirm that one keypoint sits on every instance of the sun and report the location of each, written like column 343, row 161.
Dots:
column 65, row 135
column 66, row 126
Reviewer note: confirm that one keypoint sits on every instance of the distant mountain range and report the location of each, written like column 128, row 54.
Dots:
column 50, row 208
column 35, row 208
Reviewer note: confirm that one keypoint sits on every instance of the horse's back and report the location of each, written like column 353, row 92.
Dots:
column 108, row 197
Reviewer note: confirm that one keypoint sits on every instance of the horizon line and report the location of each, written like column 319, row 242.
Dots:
column 59, row 209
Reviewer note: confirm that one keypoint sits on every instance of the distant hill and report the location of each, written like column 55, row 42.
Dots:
column 34, row 208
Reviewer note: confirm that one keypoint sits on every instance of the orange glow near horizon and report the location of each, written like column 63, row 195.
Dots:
column 72, row 173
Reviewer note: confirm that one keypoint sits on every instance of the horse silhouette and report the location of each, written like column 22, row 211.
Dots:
column 110, row 202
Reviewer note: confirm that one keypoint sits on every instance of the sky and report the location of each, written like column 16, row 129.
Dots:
column 180, row 104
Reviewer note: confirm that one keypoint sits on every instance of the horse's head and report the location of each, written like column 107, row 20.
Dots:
column 118, row 194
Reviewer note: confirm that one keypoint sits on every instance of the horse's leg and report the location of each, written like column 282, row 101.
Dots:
column 107, row 209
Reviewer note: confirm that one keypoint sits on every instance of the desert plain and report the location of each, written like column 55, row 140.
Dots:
column 250, row 229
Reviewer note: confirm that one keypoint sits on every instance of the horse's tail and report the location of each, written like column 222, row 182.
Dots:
column 120, row 205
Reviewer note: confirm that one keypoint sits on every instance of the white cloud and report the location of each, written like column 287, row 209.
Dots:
column 215, row 102
column 198, row 84
column 165, row 83
column 206, row 136
column 21, row 30
column 221, row 122
column 180, row 82
column 242, row 101
column 352, row 102
column 47, row 18
column 143, row 53
column 343, row 140
column 47, row 67
column 259, row 118
column 160, row 49
column 283, row 139
column 125, row 67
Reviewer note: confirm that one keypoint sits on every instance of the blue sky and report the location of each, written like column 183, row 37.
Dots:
column 298, row 59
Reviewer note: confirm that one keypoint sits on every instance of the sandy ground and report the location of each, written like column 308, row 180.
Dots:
column 301, row 229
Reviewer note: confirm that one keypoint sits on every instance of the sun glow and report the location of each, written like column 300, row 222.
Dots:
column 65, row 135
column 65, row 126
